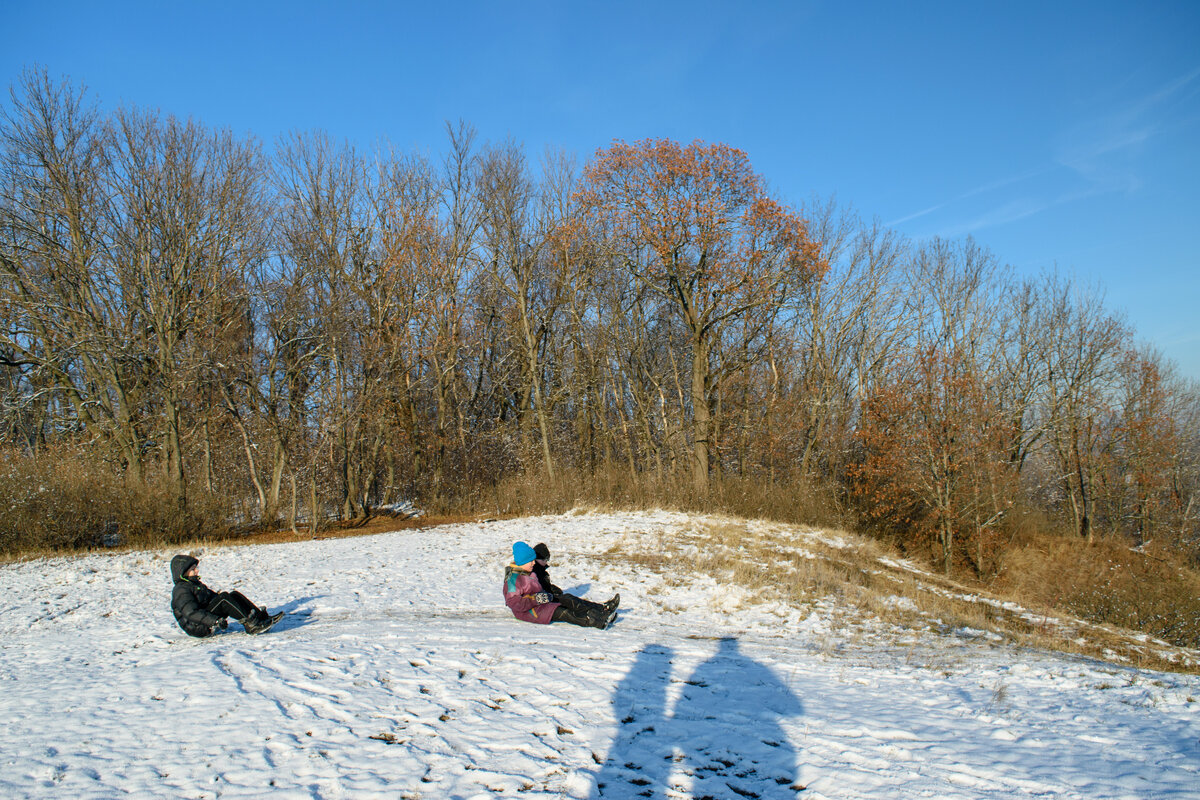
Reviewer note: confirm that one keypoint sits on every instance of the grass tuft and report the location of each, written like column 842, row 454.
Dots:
column 839, row 570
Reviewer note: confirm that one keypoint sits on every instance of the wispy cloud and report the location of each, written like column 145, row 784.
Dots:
column 1100, row 150
column 990, row 186
column 1195, row 337
column 1009, row 212
column 916, row 215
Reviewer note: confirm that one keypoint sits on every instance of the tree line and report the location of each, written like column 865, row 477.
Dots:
column 323, row 327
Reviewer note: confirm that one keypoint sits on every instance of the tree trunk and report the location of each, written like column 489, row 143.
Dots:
column 314, row 521
column 947, row 546
column 271, row 509
column 175, row 475
column 701, row 416
column 248, row 449
column 292, row 519
column 208, row 470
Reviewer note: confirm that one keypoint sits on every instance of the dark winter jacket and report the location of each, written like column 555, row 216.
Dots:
column 543, row 576
column 519, row 588
column 190, row 599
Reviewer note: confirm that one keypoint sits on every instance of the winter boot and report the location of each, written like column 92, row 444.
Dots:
column 600, row 617
column 254, row 621
column 612, row 604
column 265, row 623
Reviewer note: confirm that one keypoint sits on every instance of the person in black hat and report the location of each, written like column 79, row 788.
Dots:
column 532, row 601
column 202, row 612
column 577, row 604
column 542, row 554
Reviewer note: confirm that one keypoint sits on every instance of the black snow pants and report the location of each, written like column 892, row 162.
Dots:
column 233, row 604
column 578, row 611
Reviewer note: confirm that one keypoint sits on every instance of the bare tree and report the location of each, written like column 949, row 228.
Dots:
column 696, row 225
column 522, row 226
column 1023, row 329
column 321, row 225
column 842, row 328
column 1079, row 368
column 70, row 326
column 186, row 220
column 445, row 280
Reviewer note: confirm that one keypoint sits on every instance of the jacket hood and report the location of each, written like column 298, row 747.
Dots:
column 181, row 564
column 513, row 570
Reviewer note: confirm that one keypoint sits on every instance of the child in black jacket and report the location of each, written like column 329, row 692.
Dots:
column 570, row 602
column 200, row 611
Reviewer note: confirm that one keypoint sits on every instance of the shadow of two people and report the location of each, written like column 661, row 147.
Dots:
column 723, row 731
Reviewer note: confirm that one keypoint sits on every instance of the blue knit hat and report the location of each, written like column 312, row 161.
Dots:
column 523, row 553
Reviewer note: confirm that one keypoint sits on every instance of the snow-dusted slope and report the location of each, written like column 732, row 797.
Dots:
column 399, row 673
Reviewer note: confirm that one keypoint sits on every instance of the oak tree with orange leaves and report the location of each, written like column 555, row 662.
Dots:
column 695, row 224
column 1147, row 445
column 933, row 458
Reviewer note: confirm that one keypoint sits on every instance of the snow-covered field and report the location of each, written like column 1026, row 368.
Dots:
column 399, row 673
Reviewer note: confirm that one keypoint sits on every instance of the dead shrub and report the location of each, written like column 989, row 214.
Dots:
column 616, row 487
column 1108, row 582
column 62, row 500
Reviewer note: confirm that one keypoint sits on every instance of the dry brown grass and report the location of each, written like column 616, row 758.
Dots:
column 65, row 502
column 615, row 488
column 247, row 536
column 1151, row 590
column 339, row 530
column 783, row 562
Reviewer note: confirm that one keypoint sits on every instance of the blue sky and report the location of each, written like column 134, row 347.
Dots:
column 1058, row 134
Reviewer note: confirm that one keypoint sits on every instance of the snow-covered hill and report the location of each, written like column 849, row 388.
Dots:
column 399, row 673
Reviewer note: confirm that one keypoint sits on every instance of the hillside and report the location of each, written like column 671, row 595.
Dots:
column 749, row 660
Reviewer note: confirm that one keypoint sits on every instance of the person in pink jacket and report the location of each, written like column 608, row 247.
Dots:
column 529, row 601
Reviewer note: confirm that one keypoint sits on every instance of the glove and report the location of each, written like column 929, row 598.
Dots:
column 541, row 597
column 222, row 623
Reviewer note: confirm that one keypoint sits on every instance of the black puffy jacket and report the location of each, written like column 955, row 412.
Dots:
column 190, row 599
column 543, row 576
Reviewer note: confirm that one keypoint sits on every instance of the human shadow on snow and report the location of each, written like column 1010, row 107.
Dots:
column 723, row 731
column 295, row 616
column 295, row 613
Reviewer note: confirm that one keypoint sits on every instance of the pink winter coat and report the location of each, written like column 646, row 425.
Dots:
column 519, row 588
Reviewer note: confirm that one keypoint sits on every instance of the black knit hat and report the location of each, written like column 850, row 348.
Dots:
column 541, row 551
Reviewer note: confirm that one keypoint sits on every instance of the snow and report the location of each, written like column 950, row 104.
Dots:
column 398, row 672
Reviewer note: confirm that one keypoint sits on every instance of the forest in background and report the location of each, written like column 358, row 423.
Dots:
column 198, row 332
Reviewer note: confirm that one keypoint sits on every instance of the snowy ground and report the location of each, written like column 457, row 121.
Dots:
column 399, row 673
